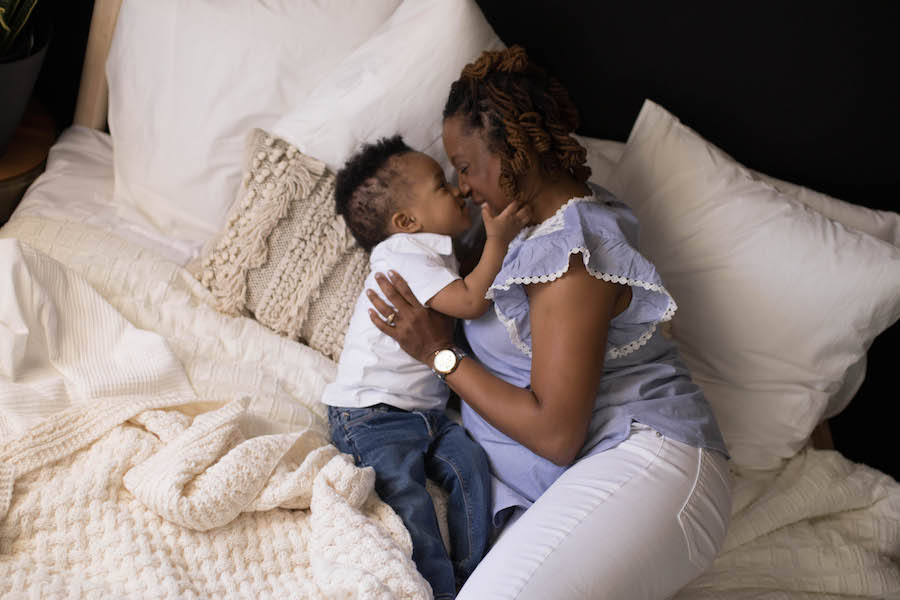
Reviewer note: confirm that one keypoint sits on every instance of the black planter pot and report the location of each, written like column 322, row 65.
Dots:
column 17, row 79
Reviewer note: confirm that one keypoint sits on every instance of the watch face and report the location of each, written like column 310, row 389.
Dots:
column 444, row 361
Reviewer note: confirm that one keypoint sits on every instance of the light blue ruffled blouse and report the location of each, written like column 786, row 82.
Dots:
column 643, row 379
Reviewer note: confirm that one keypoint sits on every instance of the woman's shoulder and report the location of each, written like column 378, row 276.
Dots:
column 601, row 214
column 603, row 231
column 599, row 226
column 598, row 214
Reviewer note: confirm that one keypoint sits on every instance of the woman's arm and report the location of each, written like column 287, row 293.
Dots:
column 569, row 323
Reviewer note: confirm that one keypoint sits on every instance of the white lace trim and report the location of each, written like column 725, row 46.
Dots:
column 512, row 331
column 612, row 353
column 553, row 223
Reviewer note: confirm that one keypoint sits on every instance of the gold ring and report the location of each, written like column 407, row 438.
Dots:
column 390, row 319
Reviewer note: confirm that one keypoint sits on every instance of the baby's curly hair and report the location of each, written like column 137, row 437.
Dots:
column 518, row 105
column 363, row 191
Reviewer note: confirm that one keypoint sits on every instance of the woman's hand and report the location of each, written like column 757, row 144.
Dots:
column 420, row 331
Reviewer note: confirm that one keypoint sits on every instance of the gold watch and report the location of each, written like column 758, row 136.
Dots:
column 446, row 360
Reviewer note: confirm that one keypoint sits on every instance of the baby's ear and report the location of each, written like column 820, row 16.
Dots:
column 403, row 222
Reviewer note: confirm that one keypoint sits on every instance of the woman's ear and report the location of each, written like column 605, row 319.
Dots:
column 405, row 223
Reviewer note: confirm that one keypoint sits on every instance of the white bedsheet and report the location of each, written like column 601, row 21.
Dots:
column 77, row 185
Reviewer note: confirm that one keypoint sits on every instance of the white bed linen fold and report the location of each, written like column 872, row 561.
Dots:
column 77, row 185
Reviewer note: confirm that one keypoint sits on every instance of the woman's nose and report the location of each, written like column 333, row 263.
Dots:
column 462, row 186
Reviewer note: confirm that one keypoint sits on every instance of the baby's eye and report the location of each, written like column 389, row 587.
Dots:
column 464, row 170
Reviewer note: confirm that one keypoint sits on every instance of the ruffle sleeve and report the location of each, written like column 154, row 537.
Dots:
column 604, row 232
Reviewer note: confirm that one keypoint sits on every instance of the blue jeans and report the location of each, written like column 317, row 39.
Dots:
column 405, row 447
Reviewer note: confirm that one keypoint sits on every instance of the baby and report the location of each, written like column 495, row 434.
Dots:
column 387, row 409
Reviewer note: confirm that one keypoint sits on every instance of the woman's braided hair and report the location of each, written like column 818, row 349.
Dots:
column 519, row 106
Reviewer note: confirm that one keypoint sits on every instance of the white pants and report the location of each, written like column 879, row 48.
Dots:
column 638, row 521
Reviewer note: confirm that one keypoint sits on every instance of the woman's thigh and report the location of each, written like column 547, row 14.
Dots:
column 638, row 521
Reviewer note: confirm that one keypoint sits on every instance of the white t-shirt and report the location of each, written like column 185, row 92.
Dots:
column 373, row 368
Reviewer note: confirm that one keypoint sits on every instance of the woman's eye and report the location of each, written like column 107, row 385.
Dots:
column 464, row 170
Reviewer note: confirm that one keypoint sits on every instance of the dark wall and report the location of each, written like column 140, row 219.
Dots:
column 806, row 91
column 57, row 85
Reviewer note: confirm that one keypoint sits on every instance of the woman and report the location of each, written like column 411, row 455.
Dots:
column 610, row 474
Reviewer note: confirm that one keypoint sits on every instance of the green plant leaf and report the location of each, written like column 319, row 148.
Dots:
column 16, row 15
column 6, row 12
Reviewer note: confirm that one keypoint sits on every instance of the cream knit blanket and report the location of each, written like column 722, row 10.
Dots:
column 124, row 473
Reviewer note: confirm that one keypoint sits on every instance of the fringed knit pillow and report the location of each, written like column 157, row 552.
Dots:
column 285, row 257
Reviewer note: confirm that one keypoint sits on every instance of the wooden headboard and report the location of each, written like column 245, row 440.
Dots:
column 806, row 92
column 90, row 108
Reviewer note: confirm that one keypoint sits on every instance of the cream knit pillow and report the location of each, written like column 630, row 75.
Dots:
column 284, row 256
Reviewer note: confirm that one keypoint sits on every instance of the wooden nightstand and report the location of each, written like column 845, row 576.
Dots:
column 25, row 156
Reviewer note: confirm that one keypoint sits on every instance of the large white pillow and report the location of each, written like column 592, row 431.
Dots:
column 188, row 80
column 396, row 82
column 603, row 155
column 881, row 224
column 776, row 301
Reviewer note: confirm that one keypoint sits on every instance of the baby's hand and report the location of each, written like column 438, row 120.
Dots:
column 508, row 223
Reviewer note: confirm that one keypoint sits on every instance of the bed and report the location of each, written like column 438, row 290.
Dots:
column 166, row 332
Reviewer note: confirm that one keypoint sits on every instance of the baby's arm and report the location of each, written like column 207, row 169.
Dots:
column 464, row 298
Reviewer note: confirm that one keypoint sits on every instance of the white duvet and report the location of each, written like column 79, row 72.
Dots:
column 108, row 490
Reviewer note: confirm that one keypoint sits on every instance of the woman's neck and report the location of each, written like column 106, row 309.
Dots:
column 549, row 193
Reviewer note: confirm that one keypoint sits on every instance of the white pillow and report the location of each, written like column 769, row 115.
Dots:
column 396, row 82
column 776, row 301
column 878, row 223
column 603, row 155
column 188, row 80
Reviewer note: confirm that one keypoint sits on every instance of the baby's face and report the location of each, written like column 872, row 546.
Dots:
column 435, row 204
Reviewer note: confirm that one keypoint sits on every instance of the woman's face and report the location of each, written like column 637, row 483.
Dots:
column 477, row 168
